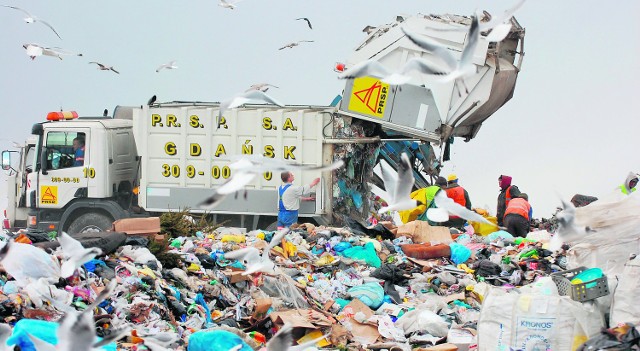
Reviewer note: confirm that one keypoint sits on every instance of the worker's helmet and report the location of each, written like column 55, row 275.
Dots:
column 452, row 178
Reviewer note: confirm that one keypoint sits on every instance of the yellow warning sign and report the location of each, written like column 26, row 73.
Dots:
column 48, row 195
column 369, row 96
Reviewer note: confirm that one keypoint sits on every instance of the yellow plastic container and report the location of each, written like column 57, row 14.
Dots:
column 485, row 229
column 230, row 238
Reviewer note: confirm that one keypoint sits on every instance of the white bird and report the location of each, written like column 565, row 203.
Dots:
column 170, row 65
column 247, row 168
column 77, row 329
column 568, row 231
column 499, row 26
column 34, row 50
column 376, row 69
column 5, row 333
column 228, row 4
column 249, row 96
column 75, row 254
column 26, row 262
column 397, row 187
column 263, row 87
column 253, row 260
column 32, row 19
column 294, row 44
column 459, row 70
column 104, row 67
column 283, row 339
column 442, row 201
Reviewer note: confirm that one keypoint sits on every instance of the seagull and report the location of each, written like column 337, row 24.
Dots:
column 398, row 187
column 374, row 68
column 568, row 230
column 77, row 329
column 499, row 26
column 263, row 87
column 249, row 96
column 458, row 70
column 26, row 262
column 160, row 340
column 75, row 254
column 283, row 339
column 253, row 260
column 306, row 19
column 5, row 333
column 32, row 19
column 442, row 201
column 295, row 43
column 247, row 168
column 228, row 4
column 170, row 65
column 369, row 29
column 34, row 50
column 103, row 67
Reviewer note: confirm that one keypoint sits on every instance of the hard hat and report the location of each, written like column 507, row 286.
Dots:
column 452, row 177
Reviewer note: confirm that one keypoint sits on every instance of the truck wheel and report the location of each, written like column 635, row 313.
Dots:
column 90, row 222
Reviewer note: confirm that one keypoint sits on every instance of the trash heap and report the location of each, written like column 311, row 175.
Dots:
column 357, row 287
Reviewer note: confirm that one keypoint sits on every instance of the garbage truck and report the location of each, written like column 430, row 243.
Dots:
column 80, row 173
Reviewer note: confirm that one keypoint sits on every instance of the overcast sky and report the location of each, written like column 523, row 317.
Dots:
column 571, row 126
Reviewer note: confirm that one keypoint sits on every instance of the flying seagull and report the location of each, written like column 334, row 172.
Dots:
column 170, row 65
column 442, row 201
column 294, row 44
column 458, row 70
column 247, row 168
column 32, row 19
column 253, row 260
column 283, row 339
column 104, row 67
column 307, row 20
column 249, row 96
column 397, row 187
column 228, row 4
column 263, row 87
column 35, row 50
column 75, row 254
column 376, row 69
column 499, row 26
column 568, row 231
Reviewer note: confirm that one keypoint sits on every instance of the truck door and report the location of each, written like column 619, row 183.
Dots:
column 67, row 175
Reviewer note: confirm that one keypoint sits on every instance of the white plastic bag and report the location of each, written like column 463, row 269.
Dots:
column 624, row 305
column 534, row 322
column 424, row 321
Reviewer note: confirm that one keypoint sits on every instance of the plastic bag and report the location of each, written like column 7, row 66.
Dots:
column 366, row 253
column 24, row 262
column 43, row 330
column 624, row 305
column 216, row 340
column 499, row 235
column 459, row 253
column 371, row 294
column 423, row 321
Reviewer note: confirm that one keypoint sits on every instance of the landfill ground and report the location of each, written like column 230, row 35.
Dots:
column 357, row 287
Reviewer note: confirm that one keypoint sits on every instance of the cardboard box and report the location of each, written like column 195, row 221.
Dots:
column 262, row 306
column 421, row 232
column 138, row 226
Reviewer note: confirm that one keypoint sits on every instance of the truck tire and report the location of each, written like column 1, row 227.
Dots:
column 90, row 222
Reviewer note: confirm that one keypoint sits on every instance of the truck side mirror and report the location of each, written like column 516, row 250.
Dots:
column 6, row 160
column 43, row 160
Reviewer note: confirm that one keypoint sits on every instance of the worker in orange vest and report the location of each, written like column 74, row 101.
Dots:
column 517, row 216
column 507, row 192
column 460, row 196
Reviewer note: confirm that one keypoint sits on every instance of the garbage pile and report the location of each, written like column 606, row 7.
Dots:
column 357, row 287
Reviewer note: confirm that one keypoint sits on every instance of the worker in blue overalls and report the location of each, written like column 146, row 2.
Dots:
column 289, row 197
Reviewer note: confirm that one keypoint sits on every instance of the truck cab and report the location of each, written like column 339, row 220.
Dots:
column 84, row 173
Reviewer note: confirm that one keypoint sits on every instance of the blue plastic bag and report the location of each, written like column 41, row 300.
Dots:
column 205, row 340
column 44, row 330
column 371, row 294
column 459, row 253
column 366, row 253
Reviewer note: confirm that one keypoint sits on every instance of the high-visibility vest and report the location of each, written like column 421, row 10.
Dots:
column 457, row 195
column 624, row 189
column 518, row 206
